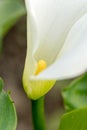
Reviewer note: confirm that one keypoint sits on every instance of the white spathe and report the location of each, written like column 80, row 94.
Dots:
column 56, row 33
column 72, row 60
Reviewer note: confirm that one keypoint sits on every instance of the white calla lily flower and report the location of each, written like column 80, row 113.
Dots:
column 56, row 45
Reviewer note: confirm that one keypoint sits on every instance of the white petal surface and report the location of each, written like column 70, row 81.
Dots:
column 73, row 58
column 50, row 21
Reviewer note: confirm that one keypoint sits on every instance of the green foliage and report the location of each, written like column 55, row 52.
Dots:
column 10, row 12
column 8, row 119
column 74, row 120
column 75, row 95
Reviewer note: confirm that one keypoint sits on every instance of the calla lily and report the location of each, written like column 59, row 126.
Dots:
column 57, row 41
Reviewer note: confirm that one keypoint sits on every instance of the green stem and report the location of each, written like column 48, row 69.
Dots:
column 38, row 114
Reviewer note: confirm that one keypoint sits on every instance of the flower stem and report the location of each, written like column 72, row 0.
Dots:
column 38, row 114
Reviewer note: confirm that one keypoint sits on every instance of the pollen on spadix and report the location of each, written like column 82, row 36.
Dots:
column 41, row 65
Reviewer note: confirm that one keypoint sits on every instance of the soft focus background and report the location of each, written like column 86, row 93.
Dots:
column 12, row 60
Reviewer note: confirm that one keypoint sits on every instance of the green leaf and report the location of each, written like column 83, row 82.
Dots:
column 8, row 119
column 1, row 85
column 10, row 12
column 75, row 95
column 74, row 120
